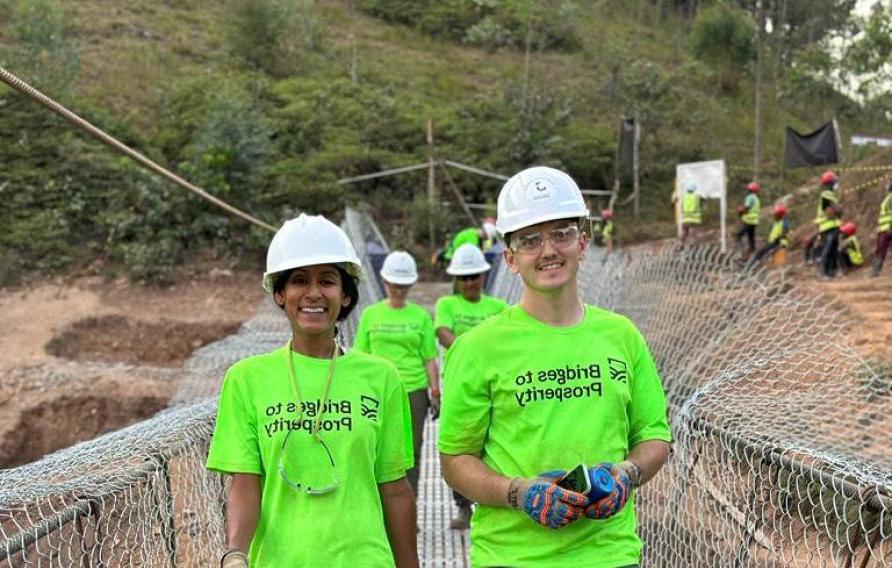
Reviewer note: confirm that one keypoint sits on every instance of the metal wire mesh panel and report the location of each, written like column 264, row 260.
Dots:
column 141, row 496
column 782, row 432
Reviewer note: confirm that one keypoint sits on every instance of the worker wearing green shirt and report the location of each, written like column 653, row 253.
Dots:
column 544, row 386
column 459, row 312
column 403, row 333
column 315, row 439
column 481, row 237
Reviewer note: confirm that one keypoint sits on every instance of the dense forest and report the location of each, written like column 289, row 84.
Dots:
column 267, row 103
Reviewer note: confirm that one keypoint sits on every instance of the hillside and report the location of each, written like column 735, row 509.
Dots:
column 344, row 93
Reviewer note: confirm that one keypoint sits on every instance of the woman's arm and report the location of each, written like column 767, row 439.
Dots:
column 445, row 336
column 399, row 518
column 242, row 511
column 433, row 380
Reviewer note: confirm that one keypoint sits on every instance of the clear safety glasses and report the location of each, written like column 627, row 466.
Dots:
column 307, row 457
column 533, row 242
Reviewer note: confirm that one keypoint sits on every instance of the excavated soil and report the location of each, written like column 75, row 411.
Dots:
column 82, row 357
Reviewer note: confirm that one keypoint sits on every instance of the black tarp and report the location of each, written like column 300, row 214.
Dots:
column 813, row 149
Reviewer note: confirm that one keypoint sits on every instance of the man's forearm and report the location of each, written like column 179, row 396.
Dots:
column 468, row 475
column 650, row 456
column 242, row 511
column 399, row 519
column 433, row 375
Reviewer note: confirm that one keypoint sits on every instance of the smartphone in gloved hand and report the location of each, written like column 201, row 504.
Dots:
column 576, row 480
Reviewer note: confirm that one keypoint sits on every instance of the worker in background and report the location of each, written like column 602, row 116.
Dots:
column 777, row 238
column 547, row 385
column 608, row 232
column 827, row 220
column 402, row 332
column 850, row 256
column 481, row 237
column 884, row 231
column 459, row 312
column 691, row 211
column 749, row 218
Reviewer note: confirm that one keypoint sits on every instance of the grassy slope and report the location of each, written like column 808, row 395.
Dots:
column 133, row 52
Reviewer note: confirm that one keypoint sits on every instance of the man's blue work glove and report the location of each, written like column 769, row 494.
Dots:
column 614, row 502
column 544, row 502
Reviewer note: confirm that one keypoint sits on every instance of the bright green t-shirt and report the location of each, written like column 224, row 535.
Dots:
column 459, row 315
column 404, row 336
column 528, row 397
column 471, row 235
column 366, row 426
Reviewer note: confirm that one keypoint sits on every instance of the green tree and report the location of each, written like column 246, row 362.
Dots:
column 724, row 38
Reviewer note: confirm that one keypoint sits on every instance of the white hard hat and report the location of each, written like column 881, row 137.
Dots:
column 489, row 229
column 307, row 241
column 399, row 268
column 537, row 195
column 690, row 186
column 467, row 259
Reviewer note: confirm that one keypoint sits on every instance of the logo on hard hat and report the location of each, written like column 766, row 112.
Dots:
column 539, row 189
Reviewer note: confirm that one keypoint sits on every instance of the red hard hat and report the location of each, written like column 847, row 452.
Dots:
column 828, row 178
column 780, row 209
column 848, row 228
column 606, row 214
column 754, row 187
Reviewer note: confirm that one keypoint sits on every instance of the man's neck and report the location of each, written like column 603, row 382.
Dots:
column 559, row 309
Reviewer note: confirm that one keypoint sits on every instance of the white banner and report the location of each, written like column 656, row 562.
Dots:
column 711, row 182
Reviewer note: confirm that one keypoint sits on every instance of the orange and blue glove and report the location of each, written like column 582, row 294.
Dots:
column 547, row 504
column 604, row 507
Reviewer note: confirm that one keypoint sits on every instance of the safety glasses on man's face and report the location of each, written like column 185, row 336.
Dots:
column 531, row 243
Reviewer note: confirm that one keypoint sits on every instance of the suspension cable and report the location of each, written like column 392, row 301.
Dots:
column 112, row 142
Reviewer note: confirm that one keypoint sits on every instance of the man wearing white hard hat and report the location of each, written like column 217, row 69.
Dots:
column 315, row 439
column 403, row 333
column 457, row 313
column 548, row 386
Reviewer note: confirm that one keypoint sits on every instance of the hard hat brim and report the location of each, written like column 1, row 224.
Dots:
column 351, row 267
column 399, row 280
column 468, row 271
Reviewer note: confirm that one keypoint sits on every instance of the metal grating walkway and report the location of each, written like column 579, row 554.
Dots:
column 438, row 545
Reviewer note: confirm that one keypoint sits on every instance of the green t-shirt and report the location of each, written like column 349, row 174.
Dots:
column 366, row 426
column 528, row 397
column 404, row 336
column 459, row 315
column 471, row 235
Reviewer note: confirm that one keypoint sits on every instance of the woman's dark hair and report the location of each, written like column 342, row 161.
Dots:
column 349, row 284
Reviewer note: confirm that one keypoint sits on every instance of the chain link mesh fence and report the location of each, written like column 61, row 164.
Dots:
column 782, row 433
column 141, row 496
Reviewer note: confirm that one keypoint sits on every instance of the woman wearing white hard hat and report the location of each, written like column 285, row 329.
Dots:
column 315, row 439
column 460, row 312
column 403, row 333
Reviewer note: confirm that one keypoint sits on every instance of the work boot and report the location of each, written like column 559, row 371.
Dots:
column 462, row 521
column 877, row 266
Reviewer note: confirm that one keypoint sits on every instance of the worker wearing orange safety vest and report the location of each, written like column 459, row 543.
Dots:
column 749, row 216
column 827, row 220
column 884, row 231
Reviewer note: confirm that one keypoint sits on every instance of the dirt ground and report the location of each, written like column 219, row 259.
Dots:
column 83, row 356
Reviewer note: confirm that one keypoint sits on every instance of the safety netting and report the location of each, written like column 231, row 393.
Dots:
column 782, row 431
column 781, row 455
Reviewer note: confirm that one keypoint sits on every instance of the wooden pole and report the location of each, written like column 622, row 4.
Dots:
column 760, row 40
column 636, row 188
column 431, row 182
